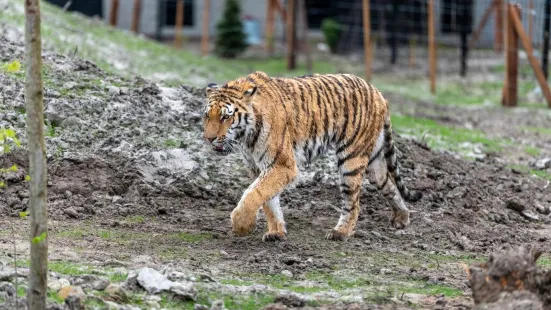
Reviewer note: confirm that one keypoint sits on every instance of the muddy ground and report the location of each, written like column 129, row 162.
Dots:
column 131, row 185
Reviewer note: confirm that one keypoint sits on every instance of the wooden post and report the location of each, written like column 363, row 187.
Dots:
column 498, row 30
column 304, row 34
column 136, row 10
column 393, row 33
column 511, row 61
column 269, row 27
column 38, row 272
column 546, row 33
column 291, row 35
column 114, row 12
column 367, row 38
column 482, row 23
column 179, row 23
column 517, row 24
column 432, row 47
column 464, row 28
column 412, row 41
column 206, row 21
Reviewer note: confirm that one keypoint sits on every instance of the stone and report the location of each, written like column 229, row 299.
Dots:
column 287, row 273
column 544, row 163
column 57, row 284
column 113, row 90
column 290, row 300
column 515, row 204
column 153, row 281
column 116, row 293
column 91, row 282
column 71, row 212
column 184, row 291
column 75, row 291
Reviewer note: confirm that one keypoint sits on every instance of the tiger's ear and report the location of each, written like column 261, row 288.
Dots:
column 211, row 87
column 250, row 91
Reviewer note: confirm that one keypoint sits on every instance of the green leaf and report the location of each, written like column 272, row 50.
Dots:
column 6, row 148
column 39, row 239
column 12, row 67
column 2, row 184
column 23, row 214
column 27, row 178
column 13, row 168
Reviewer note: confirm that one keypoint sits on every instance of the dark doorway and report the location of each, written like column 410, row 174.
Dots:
column 169, row 10
column 87, row 7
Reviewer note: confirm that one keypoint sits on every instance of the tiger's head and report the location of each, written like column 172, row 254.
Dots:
column 228, row 114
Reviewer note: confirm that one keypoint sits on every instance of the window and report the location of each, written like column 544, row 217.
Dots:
column 169, row 10
column 455, row 15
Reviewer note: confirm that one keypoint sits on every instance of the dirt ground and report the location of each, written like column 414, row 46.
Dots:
column 130, row 185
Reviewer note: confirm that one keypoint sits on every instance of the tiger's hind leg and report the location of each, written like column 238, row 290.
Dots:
column 379, row 176
column 351, row 172
column 276, row 223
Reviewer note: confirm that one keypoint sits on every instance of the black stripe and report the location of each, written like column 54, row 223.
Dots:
column 347, row 192
column 246, row 119
column 354, row 172
column 384, row 183
column 258, row 128
column 375, row 156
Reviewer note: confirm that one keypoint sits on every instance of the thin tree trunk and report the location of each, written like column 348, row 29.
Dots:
column 36, row 294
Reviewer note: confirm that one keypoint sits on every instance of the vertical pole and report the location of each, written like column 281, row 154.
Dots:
column 546, row 33
column 511, row 63
column 412, row 41
column 179, row 23
column 114, row 12
column 432, row 47
column 136, row 10
column 304, row 34
column 367, row 38
column 291, row 35
column 498, row 27
column 206, row 21
column 393, row 33
column 465, row 17
column 269, row 30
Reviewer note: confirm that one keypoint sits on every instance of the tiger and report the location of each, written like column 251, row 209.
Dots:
column 281, row 123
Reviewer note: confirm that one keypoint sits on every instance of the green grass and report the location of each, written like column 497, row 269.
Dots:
column 532, row 150
column 442, row 137
column 540, row 130
column 524, row 169
column 544, row 261
column 232, row 301
column 171, row 143
column 135, row 219
column 73, row 269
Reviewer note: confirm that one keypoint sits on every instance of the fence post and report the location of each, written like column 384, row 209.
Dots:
column 482, row 23
column 114, row 12
column 511, row 60
column 367, row 38
column 546, row 33
column 303, row 17
column 291, row 35
column 136, row 10
column 432, row 47
column 498, row 30
column 465, row 17
column 206, row 22
column 269, row 27
column 179, row 23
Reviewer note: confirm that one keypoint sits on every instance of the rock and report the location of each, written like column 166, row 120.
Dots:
column 75, row 291
column 71, row 212
column 75, row 302
column 276, row 306
column 530, row 215
column 184, row 291
column 91, row 282
column 116, row 293
column 113, row 90
column 153, row 281
column 287, row 273
column 57, row 284
column 291, row 260
column 131, row 282
column 290, row 300
column 544, row 163
column 543, row 209
column 8, row 288
column 217, row 305
column 515, row 204
column 200, row 307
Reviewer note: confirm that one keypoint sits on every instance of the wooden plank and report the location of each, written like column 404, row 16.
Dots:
column 515, row 17
column 498, row 27
column 432, row 47
column 511, row 63
column 367, row 38
column 179, row 23
column 205, row 34
column 114, row 12
column 269, row 27
column 291, row 35
column 136, row 11
column 481, row 24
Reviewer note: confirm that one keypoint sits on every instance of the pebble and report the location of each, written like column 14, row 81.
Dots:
column 287, row 273
column 71, row 212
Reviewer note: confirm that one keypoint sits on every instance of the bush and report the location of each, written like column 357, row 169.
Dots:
column 331, row 31
column 230, row 37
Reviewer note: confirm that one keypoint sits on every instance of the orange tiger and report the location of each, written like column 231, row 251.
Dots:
column 278, row 123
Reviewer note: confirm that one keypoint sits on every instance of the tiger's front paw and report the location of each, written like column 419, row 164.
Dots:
column 243, row 223
column 400, row 219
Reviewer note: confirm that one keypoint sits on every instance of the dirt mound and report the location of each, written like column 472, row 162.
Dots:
column 511, row 280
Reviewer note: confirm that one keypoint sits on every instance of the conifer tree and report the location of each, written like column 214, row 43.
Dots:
column 230, row 37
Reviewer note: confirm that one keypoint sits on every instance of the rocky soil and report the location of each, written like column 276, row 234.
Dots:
column 139, row 211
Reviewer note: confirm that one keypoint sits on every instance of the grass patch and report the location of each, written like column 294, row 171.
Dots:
column 442, row 137
column 135, row 219
column 52, row 296
column 540, row 130
column 531, row 150
column 231, row 301
column 73, row 269
column 544, row 261
column 171, row 143
column 524, row 169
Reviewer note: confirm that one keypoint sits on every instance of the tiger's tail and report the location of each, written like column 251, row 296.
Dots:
column 393, row 165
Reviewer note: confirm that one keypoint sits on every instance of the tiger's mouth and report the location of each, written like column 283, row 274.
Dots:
column 221, row 150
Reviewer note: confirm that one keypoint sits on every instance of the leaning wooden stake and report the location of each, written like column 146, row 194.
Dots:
column 515, row 17
column 205, row 36
column 38, row 275
column 136, row 10
column 114, row 12
column 367, row 38
column 179, row 23
column 510, row 94
column 530, row 19
column 432, row 48
column 482, row 23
